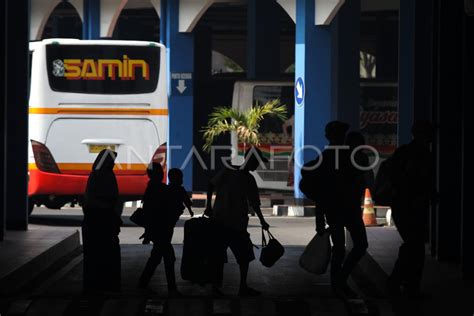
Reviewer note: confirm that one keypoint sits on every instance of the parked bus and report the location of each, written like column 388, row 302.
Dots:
column 88, row 95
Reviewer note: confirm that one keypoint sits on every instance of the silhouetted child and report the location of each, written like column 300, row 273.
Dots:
column 159, row 202
column 178, row 197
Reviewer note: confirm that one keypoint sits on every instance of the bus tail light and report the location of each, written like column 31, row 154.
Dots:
column 43, row 158
column 160, row 155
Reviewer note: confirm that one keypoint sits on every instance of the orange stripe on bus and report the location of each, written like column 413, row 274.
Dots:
column 88, row 166
column 99, row 111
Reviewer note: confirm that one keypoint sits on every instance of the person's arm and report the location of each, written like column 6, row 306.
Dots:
column 210, row 191
column 188, row 203
column 320, row 221
column 259, row 213
column 254, row 201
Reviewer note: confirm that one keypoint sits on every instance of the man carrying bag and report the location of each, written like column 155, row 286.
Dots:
column 337, row 186
column 236, row 190
column 271, row 251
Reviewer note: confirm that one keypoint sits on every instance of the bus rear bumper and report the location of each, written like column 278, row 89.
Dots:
column 45, row 183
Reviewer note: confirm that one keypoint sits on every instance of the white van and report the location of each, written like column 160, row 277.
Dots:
column 276, row 136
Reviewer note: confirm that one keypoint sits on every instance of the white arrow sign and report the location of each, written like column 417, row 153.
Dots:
column 181, row 86
column 299, row 90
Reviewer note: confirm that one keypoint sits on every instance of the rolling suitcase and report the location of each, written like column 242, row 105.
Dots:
column 197, row 250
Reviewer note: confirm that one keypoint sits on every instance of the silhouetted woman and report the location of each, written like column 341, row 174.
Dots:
column 101, row 227
column 159, row 230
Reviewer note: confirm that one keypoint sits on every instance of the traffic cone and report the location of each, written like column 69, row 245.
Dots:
column 368, row 215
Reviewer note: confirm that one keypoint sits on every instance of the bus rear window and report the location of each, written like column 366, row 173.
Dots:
column 103, row 69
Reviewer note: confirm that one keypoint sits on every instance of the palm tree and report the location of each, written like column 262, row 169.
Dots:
column 246, row 124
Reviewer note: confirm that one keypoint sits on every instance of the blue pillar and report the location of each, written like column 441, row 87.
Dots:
column 180, row 55
column 314, row 65
column 406, row 73
column 263, row 39
column 91, row 23
column 346, row 28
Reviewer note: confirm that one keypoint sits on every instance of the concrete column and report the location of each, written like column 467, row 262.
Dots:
column 406, row 77
column 180, row 53
column 2, row 125
column 16, row 87
column 314, row 67
column 346, row 64
column 467, row 239
column 263, row 39
column 449, row 90
column 91, row 20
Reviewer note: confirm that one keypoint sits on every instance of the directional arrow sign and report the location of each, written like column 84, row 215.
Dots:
column 181, row 86
column 182, row 83
column 299, row 90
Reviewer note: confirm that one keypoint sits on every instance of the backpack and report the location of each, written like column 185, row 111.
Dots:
column 308, row 181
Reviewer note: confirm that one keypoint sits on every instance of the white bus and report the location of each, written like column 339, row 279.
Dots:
column 87, row 95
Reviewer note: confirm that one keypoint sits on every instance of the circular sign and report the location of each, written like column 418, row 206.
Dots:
column 299, row 90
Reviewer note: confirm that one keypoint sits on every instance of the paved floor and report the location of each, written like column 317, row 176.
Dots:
column 288, row 290
column 444, row 292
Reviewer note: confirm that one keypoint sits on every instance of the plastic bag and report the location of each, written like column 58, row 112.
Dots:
column 317, row 254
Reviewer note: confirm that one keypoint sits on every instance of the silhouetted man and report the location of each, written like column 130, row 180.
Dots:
column 336, row 187
column 412, row 184
column 354, row 140
column 236, row 189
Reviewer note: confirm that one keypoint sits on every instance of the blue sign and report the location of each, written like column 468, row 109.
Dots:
column 182, row 83
column 299, row 90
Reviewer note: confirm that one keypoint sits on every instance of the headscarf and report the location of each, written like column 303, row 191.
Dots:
column 105, row 161
column 102, row 188
column 155, row 172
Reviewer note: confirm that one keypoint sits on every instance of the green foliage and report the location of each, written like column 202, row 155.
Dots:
column 246, row 124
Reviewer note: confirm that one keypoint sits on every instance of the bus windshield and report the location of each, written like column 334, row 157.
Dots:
column 103, row 69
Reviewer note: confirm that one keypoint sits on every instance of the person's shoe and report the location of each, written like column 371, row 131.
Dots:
column 394, row 287
column 174, row 293
column 340, row 292
column 217, row 292
column 340, row 288
column 349, row 292
column 412, row 293
column 248, row 291
column 146, row 289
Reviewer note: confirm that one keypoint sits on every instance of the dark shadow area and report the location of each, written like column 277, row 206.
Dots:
column 137, row 24
column 64, row 22
column 222, row 30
